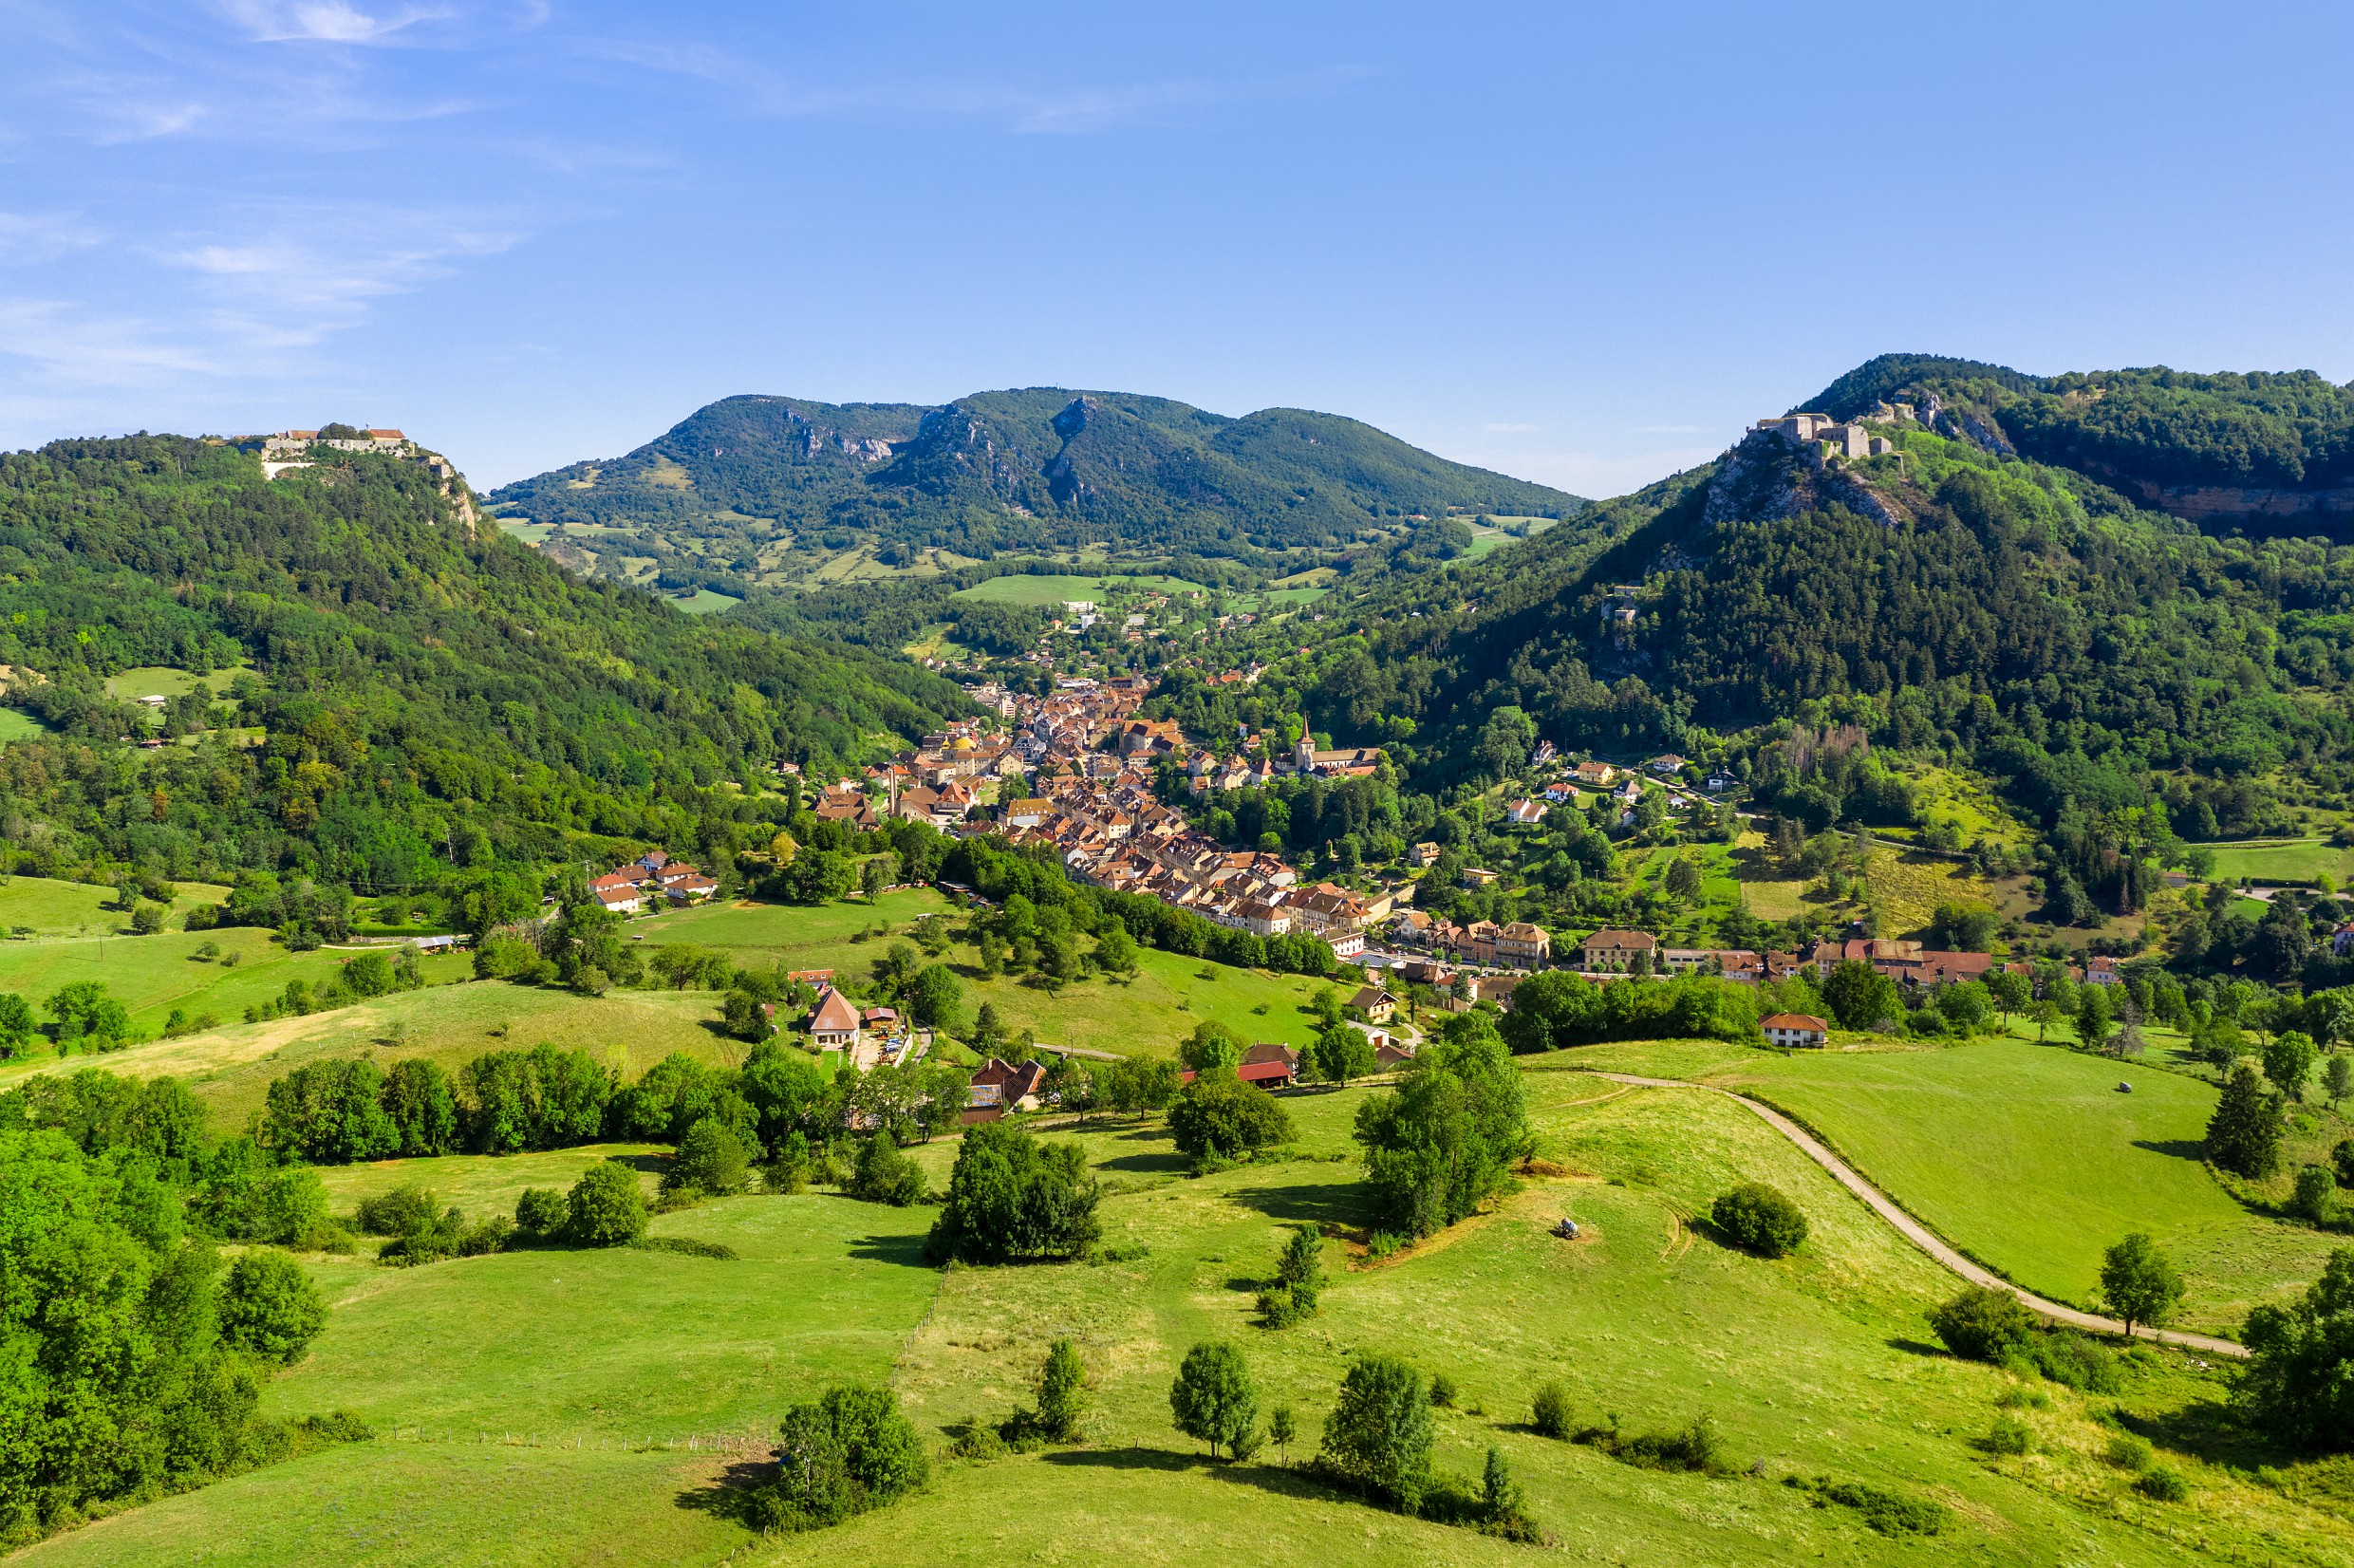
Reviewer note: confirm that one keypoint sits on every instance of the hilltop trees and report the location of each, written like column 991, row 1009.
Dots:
column 1447, row 1137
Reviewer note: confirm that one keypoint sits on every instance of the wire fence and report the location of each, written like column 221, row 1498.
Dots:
column 760, row 1443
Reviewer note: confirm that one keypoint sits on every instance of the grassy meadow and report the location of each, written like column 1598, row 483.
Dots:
column 2295, row 860
column 1023, row 590
column 1814, row 1365
column 1147, row 1015
column 231, row 1068
column 2026, row 1157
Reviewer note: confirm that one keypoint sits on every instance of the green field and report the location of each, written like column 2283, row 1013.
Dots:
column 162, row 680
column 702, row 602
column 17, row 724
column 50, row 908
column 1147, row 1015
column 231, row 1067
column 1813, row 1364
column 2297, row 860
column 152, row 976
column 1054, row 590
column 2027, row 1158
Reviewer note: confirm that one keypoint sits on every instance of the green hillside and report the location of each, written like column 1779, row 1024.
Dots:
column 762, row 488
column 410, row 695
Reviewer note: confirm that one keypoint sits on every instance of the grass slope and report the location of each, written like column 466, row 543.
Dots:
column 231, row 1068
column 1812, row 1365
column 2027, row 1158
column 1147, row 1015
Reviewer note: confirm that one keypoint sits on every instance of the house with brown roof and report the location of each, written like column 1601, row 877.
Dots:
column 1376, row 1004
column 1524, row 945
column 1612, row 949
column 1795, row 1031
column 833, row 1022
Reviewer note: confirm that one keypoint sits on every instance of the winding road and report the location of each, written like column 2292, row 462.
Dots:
column 1922, row 1236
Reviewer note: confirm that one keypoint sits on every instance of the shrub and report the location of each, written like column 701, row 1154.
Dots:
column 1698, row 1446
column 2071, row 1359
column 711, row 1159
column 1761, row 1217
column 2316, row 1195
column 542, row 1210
column 406, row 1209
column 605, row 1207
column 269, row 1307
column 2128, row 1452
column 841, row 1455
column 1980, row 1324
column 884, row 1174
column 1062, row 1383
column 1890, row 1513
column 1442, row 1390
column 2160, row 1484
column 1553, row 1412
column 2008, row 1437
column 1377, row 1438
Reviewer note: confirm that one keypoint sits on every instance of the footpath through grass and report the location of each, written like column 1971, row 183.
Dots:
column 1812, row 1365
column 2027, row 1158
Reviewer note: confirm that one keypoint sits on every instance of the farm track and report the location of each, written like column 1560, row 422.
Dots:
column 1925, row 1239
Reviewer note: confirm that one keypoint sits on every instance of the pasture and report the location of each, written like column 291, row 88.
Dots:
column 2026, row 1157
column 1811, row 1365
column 231, row 1068
column 1168, row 996
column 2293, row 860
column 1053, row 590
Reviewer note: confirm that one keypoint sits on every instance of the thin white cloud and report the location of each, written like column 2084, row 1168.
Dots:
column 67, row 343
column 325, row 21
column 1507, row 429
column 304, row 274
column 28, row 238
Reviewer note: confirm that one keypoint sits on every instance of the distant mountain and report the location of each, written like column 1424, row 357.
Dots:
column 754, row 490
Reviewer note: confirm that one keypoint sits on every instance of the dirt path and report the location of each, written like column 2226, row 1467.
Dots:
column 1922, row 1236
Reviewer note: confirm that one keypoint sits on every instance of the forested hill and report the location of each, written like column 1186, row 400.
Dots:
column 759, row 488
column 390, row 688
column 1953, row 593
column 2248, row 450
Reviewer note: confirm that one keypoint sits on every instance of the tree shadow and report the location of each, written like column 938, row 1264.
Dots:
column 1916, row 1347
column 651, row 1164
column 2208, row 1429
column 1322, row 1203
column 1279, row 1480
column 1154, row 1164
column 735, row 1495
column 2181, row 1149
column 906, row 1251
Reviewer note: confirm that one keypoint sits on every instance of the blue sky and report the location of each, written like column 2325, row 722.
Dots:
column 1576, row 242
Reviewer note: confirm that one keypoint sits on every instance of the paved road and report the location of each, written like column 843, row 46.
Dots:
column 1922, row 1237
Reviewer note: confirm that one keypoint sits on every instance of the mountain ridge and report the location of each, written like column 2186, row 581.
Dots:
column 755, row 490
